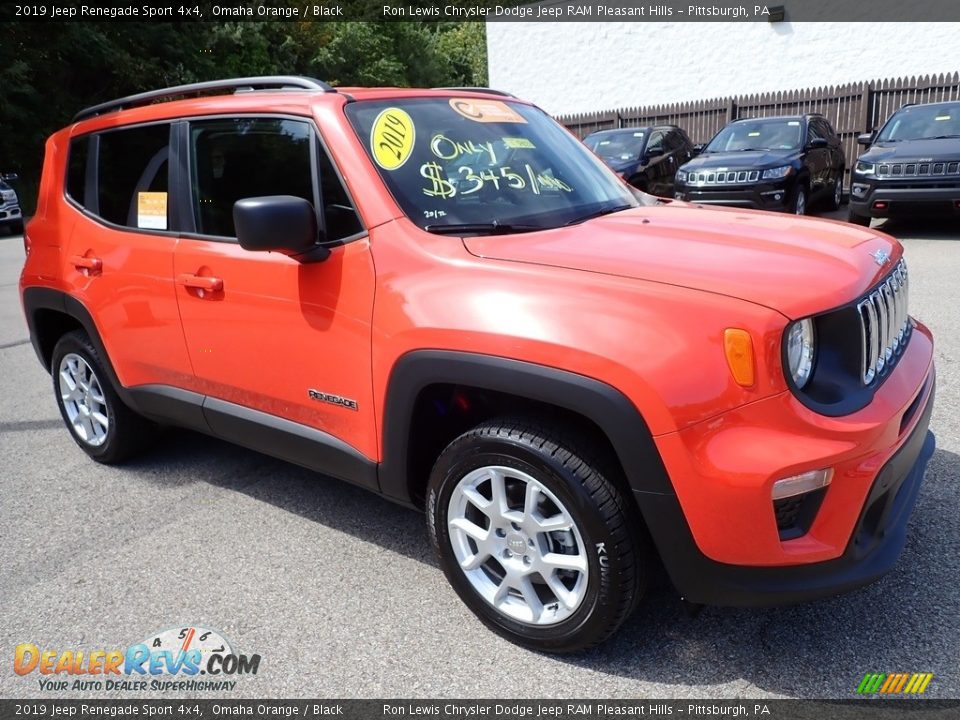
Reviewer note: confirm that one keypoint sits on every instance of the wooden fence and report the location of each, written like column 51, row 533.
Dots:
column 851, row 109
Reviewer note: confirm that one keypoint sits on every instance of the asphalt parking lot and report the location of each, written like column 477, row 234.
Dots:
column 338, row 590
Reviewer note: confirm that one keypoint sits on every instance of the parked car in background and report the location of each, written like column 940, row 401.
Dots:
column 778, row 163
column 646, row 157
column 912, row 166
column 10, row 217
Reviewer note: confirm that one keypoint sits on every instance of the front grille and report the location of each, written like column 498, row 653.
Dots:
column 884, row 324
column 918, row 169
column 729, row 177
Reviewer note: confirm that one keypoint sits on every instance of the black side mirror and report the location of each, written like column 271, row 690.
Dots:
column 698, row 148
column 818, row 143
column 654, row 152
column 865, row 139
column 9, row 177
column 279, row 223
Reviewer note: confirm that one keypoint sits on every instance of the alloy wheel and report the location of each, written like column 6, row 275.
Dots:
column 83, row 400
column 517, row 545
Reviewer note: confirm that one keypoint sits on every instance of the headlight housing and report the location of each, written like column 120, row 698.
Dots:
column 865, row 168
column 801, row 351
column 682, row 175
column 777, row 172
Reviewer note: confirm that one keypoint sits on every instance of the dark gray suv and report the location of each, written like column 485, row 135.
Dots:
column 10, row 216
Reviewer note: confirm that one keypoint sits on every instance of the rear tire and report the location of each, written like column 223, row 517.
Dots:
column 492, row 496
column 99, row 422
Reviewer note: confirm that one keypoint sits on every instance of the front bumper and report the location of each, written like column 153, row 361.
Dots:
column 718, row 536
column 10, row 213
column 772, row 195
column 900, row 198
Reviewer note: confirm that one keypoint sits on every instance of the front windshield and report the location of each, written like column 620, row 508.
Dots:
column 474, row 162
column 760, row 134
column 617, row 146
column 923, row 121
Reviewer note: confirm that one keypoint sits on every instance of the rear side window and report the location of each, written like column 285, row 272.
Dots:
column 132, row 177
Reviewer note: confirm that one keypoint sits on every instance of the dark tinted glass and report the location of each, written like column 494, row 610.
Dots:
column 240, row 158
column 77, row 169
column 133, row 162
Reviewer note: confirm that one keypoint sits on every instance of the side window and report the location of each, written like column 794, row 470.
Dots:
column 828, row 132
column 814, row 130
column 77, row 169
column 656, row 141
column 132, row 177
column 339, row 214
column 236, row 158
column 672, row 141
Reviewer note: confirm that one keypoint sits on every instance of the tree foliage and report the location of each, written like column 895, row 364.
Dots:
column 49, row 71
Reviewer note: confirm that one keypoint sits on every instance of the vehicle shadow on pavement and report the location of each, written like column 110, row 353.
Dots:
column 921, row 229
column 905, row 622
column 182, row 456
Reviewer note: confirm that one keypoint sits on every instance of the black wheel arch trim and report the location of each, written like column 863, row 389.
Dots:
column 597, row 401
column 41, row 298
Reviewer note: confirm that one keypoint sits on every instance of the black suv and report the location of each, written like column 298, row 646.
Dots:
column 646, row 157
column 775, row 163
column 10, row 216
column 912, row 166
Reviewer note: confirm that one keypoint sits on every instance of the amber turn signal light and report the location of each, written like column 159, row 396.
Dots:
column 738, row 348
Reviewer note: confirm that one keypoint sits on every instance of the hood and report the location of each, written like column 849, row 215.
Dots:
column 922, row 150
column 742, row 160
column 797, row 266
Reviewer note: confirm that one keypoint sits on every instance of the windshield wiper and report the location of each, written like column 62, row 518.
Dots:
column 490, row 228
column 944, row 137
column 599, row 213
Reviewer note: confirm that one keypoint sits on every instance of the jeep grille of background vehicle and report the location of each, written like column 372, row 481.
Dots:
column 918, row 169
column 723, row 178
column 884, row 324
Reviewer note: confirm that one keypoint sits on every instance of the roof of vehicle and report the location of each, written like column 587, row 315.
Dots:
column 612, row 131
column 294, row 88
column 796, row 116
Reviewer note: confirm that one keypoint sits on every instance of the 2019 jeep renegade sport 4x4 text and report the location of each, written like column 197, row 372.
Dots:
column 442, row 296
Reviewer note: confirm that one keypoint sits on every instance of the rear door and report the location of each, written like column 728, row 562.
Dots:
column 288, row 340
column 119, row 260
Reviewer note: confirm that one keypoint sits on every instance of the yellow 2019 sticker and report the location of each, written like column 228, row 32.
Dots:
column 392, row 138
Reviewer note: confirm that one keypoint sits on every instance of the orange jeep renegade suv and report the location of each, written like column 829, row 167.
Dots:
column 442, row 296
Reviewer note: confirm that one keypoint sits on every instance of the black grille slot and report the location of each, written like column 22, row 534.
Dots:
column 795, row 514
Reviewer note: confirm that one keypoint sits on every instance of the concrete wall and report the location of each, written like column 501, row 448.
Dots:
column 569, row 67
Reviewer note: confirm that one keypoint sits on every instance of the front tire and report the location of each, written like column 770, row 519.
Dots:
column 99, row 422
column 534, row 536
column 836, row 200
column 798, row 206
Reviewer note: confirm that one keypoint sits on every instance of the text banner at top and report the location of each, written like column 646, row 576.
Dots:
column 780, row 11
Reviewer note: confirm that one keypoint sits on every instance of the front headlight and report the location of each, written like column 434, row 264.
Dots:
column 801, row 349
column 777, row 173
column 864, row 168
column 682, row 175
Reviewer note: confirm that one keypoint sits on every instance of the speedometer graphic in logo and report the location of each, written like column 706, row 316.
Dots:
column 186, row 639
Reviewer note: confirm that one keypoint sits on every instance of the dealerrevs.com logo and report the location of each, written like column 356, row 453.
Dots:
column 180, row 659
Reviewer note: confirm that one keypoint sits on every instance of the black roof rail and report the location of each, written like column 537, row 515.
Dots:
column 284, row 82
column 489, row 91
